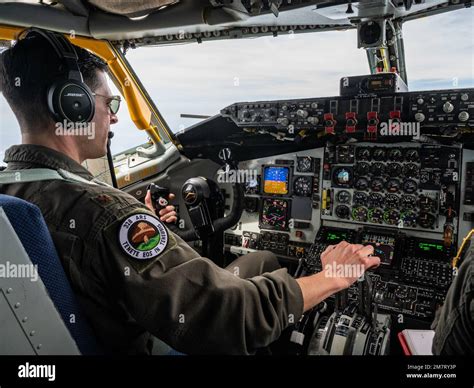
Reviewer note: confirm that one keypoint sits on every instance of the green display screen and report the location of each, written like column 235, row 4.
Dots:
column 429, row 247
column 331, row 237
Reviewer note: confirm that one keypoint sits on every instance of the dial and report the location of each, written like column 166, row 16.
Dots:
column 362, row 168
column 411, row 170
column 363, row 154
column 395, row 154
column 304, row 164
column 410, row 186
column 377, row 169
column 391, row 201
column 391, row 217
column 360, row 198
column 380, row 154
column 408, row 219
column 426, row 204
column 408, row 202
column 394, row 169
column 359, row 213
column 252, row 186
column 343, row 196
column 342, row 211
column 424, row 177
column 303, row 186
column 393, row 185
column 361, row 184
column 376, row 184
column 376, row 216
column 426, row 220
column 412, row 155
column 342, row 176
column 376, row 200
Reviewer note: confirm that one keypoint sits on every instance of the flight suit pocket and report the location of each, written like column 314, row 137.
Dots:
column 70, row 251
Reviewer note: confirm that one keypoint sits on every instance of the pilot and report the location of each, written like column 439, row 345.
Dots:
column 454, row 322
column 134, row 278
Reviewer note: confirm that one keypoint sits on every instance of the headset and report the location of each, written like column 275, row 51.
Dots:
column 69, row 98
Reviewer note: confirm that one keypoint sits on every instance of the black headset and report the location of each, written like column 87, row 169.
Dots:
column 69, row 98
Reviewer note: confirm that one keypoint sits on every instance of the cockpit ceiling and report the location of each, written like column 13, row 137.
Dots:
column 155, row 22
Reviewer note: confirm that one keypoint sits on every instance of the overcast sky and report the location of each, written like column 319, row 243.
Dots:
column 204, row 78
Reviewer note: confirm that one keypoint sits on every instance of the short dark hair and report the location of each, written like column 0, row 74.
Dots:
column 27, row 70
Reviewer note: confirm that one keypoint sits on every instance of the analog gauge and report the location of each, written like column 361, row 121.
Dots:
column 380, row 154
column 412, row 155
column 409, row 219
column 342, row 211
column 376, row 184
column 304, row 164
column 393, row 185
column 394, row 169
column 426, row 204
column 303, row 186
column 376, row 216
column 395, row 154
column 391, row 201
column 376, row 200
column 343, row 196
column 408, row 202
column 391, row 217
column 424, row 177
column 342, row 177
column 252, row 186
column 411, row 170
column 377, row 169
column 361, row 184
column 426, row 220
column 359, row 213
column 360, row 198
column 410, row 186
column 362, row 169
column 363, row 154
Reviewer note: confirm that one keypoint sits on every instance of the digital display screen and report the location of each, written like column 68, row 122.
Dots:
column 333, row 237
column 276, row 180
column 430, row 247
column 274, row 214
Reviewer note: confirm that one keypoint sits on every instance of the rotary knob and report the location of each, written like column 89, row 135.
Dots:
column 448, row 107
column 463, row 116
column 420, row 117
column 302, row 113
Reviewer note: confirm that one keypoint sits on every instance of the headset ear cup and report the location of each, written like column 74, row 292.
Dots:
column 71, row 101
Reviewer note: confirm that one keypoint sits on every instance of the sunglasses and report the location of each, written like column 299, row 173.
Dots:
column 114, row 103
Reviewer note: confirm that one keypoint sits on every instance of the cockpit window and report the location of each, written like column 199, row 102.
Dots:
column 439, row 51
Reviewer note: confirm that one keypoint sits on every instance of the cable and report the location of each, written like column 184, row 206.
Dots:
column 461, row 248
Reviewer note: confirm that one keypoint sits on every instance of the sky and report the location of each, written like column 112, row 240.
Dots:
column 204, row 78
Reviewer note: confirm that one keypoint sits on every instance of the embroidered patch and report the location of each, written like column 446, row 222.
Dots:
column 143, row 237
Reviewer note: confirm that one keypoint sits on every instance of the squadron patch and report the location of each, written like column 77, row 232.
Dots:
column 143, row 237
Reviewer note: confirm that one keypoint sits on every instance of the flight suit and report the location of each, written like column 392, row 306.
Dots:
column 135, row 279
column 454, row 323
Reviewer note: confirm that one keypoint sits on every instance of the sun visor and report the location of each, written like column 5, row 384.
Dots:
column 132, row 9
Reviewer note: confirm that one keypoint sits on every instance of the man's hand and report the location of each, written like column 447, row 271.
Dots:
column 167, row 214
column 342, row 264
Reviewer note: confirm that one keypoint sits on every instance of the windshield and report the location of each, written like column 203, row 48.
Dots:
column 204, row 78
column 201, row 79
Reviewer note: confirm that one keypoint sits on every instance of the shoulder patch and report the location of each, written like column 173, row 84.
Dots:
column 143, row 236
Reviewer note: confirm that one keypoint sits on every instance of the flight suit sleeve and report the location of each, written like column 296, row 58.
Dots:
column 454, row 322
column 189, row 302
